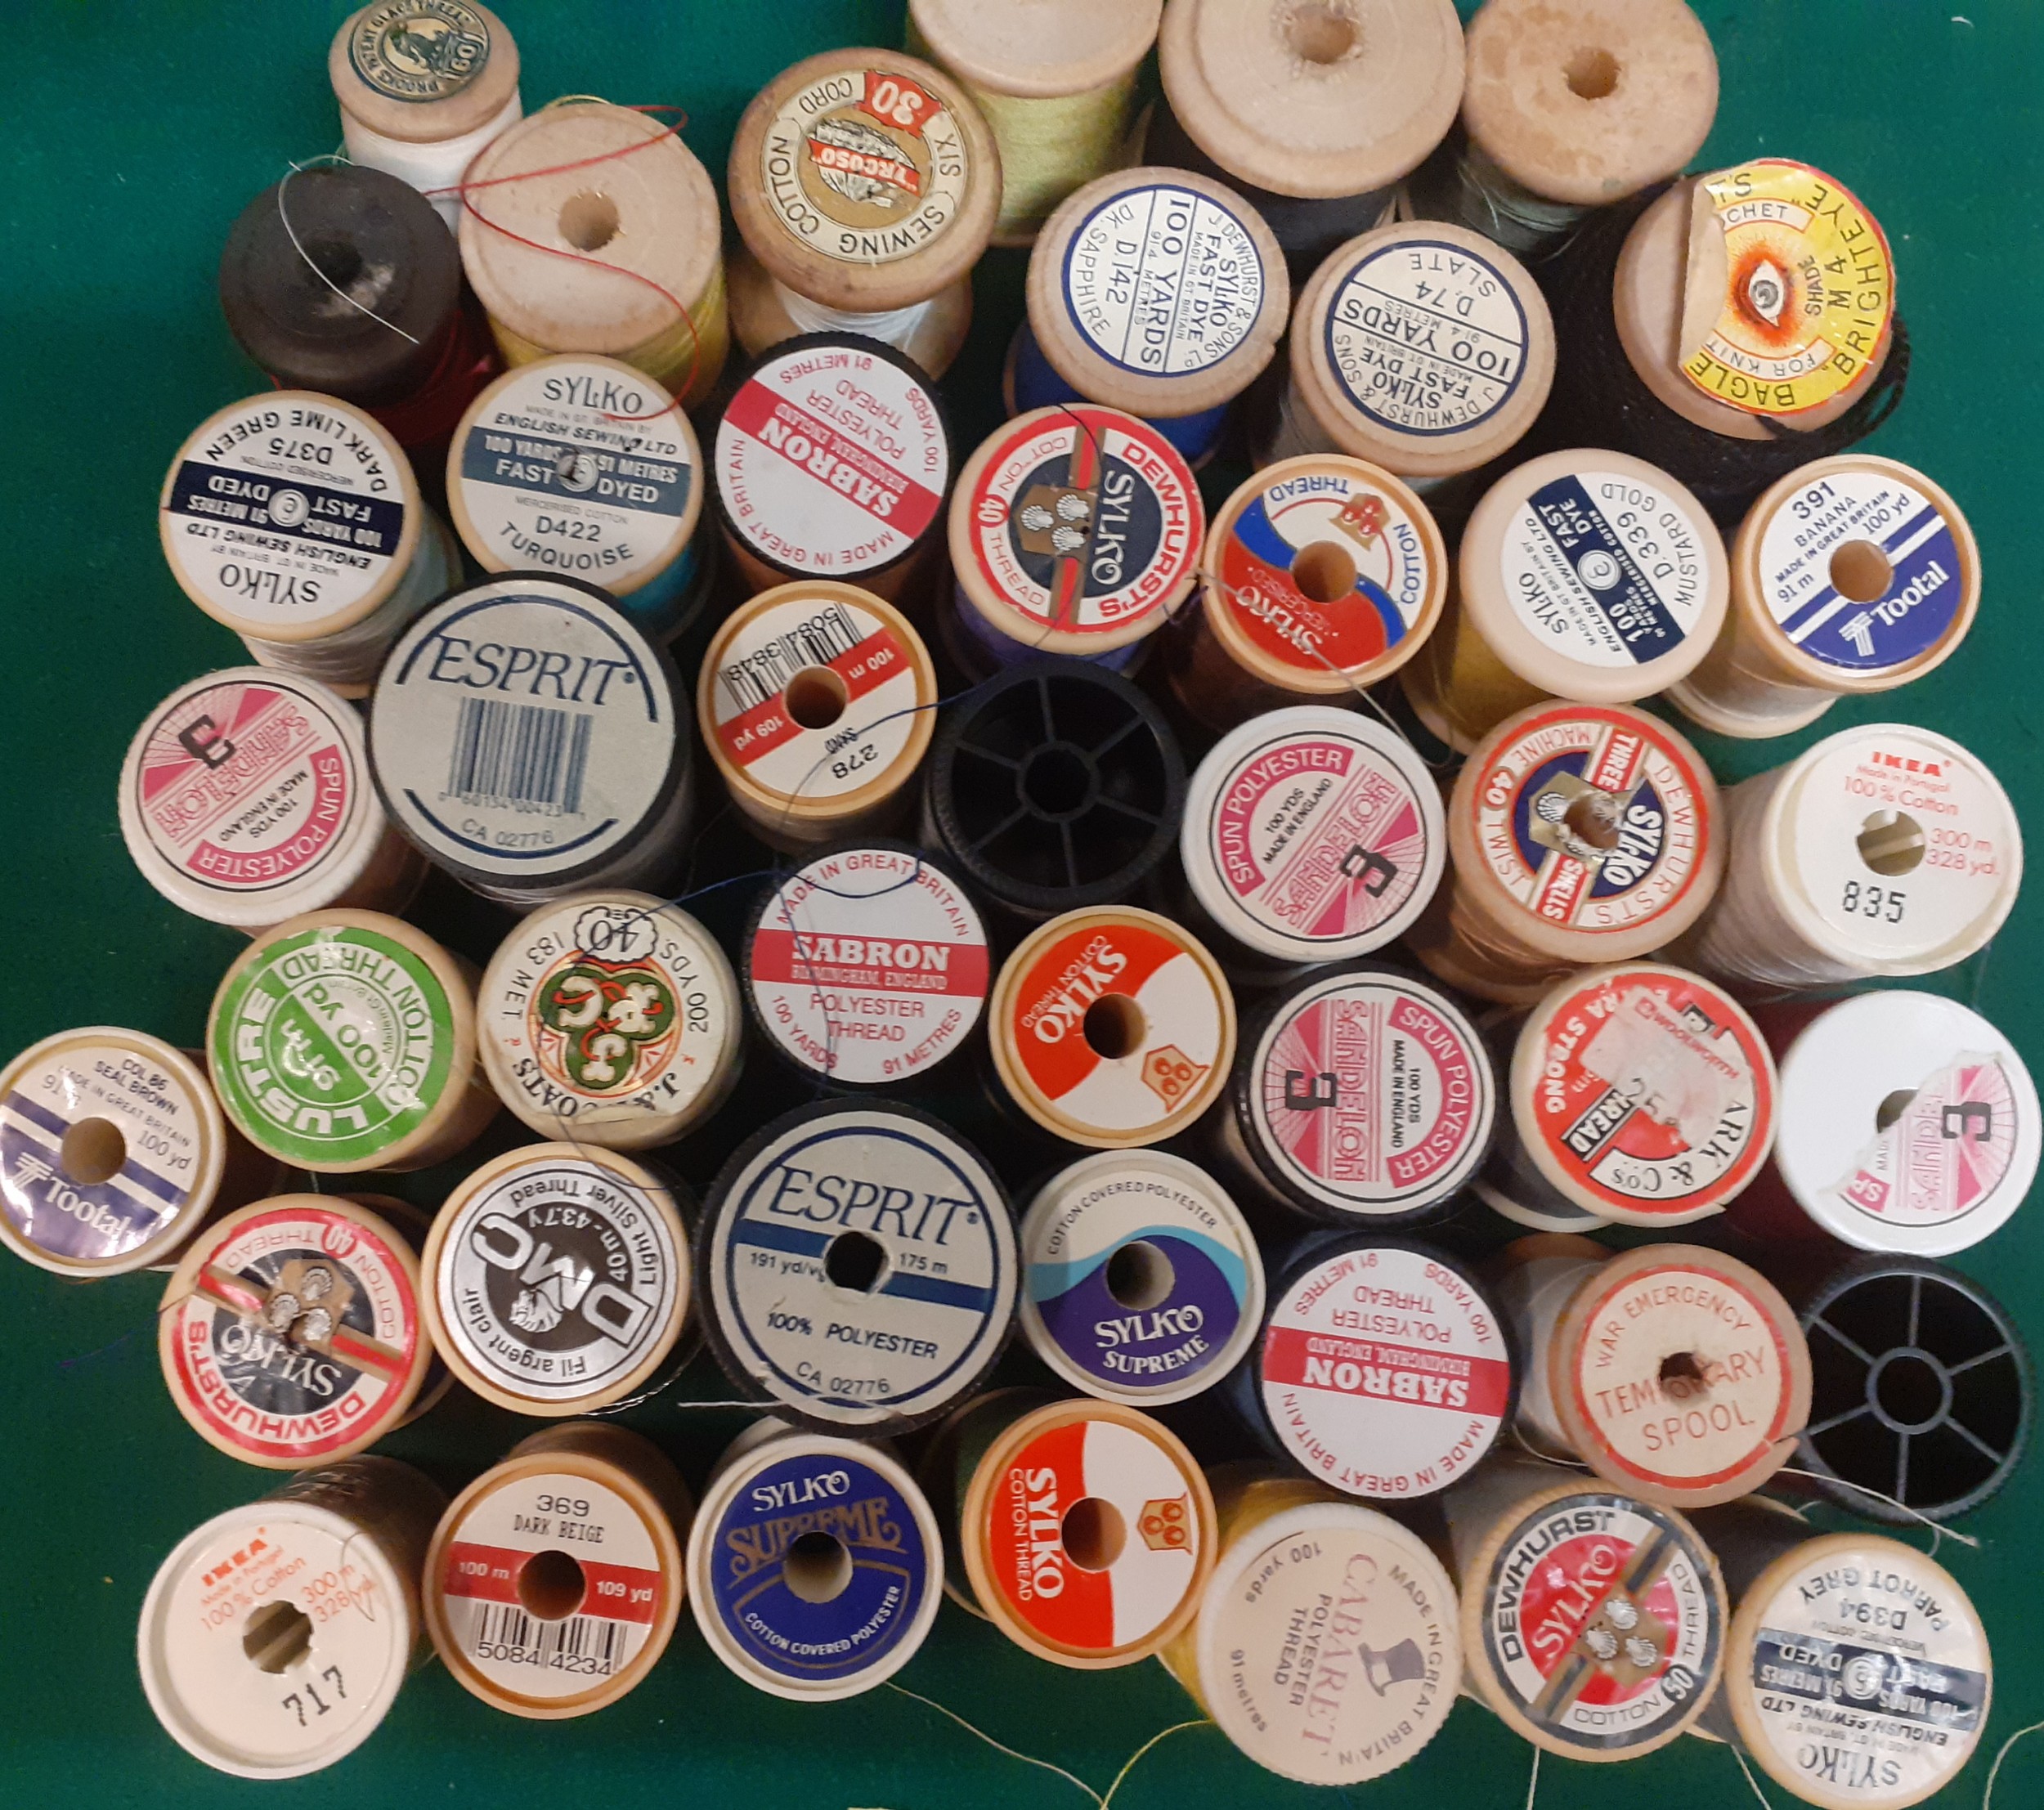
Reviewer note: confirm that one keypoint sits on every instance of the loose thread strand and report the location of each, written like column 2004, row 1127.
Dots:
column 1994, row 1771
column 1027, row 1759
column 1751, row 1779
column 1939, row 1532
column 1161, row 1735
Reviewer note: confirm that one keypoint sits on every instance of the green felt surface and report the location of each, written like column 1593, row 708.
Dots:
column 130, row 135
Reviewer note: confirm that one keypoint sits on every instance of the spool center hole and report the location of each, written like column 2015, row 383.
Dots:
column 1591, row 75
column 1589, row 817
column 1056, row 780
column 551, row 1585
column 817, row 1566
column 1323, row 570
column 1319, row 32
column 588, row 219
column 816, row 697
column 1681, row 1375
column 1093, row 1534
column 1892, row 1108
column 1909, row 1390
column 1113, row 1026
column 335, row 259
column 94, row 1151
column 1891, row 842
column 276, row 1635
column 1862, row 571
column 1139, row 1275
column 855, row 1260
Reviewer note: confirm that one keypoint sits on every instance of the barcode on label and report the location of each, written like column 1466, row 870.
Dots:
column 527, row 757
column 755, row 678
column 505, row 1632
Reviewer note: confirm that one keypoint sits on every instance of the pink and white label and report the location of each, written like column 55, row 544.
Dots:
column 1943, row 1156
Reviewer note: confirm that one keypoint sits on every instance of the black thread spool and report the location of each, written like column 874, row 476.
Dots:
column 1053, row 786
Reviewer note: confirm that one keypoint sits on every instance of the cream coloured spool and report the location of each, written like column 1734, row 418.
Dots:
column 764, row 311
column 625, row 258
column 1885, row 849
column 555, row 1579
column 1852, row 574
column 610, row 1019
column 294, row 519
column 818, row 702
column 1532, row 1280
column 243, row 1632
column 345, row 1041
column 1112, row 1026
column 1592, row 1620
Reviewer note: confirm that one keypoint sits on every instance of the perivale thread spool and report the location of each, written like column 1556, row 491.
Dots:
column 252, row 1659
column 818, row 702
column 1141, row 1282
column 864, row 184
column 1156, row 292
column 557, row 1278
column 1054, row 79
column 1584, row 575
column 1578, row 834
column 1852, row 574
column 1073, row 530
column 621, row 253
column 1592, row 1620
column 1885, row 849
column 554, row 1580
column 424, row 86
column 1293, row 1554
column 245, row 798
column 1313, row 112
column 815, row 1565
column 610, row 1019
column 294, row 519
column 1856, row 1672
column 345, row 1041
column 1112, row 1026
column 867, row 966
column 857, row 1267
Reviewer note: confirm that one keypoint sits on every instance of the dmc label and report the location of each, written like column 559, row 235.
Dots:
column 419, row 50
column 1944, row 1155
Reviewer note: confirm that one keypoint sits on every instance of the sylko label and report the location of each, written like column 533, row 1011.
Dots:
column 1947, row 1154
column 419, row 50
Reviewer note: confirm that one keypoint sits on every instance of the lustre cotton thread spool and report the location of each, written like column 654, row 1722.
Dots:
column 864, row 184
column 577, row 180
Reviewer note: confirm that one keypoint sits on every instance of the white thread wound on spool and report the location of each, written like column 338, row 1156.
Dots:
column 895, row 327
column 1544, row 1275
column 437, row 166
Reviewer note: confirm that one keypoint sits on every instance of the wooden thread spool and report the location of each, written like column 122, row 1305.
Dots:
column 865, row 184
column 1851, row 576
column 1315, row 111
column 248, row 517
column 234, row 1653
column 424, row 86
column 611, row 1018
column 1817, row 1657
column 245, row 798
column 867, row 966
column 818, row 702
column 1054, row 80
column 344, row 1041
column 1575, row 1590
column 1578, row 834
column 1885, row 849
column 624, row 258
column 1288, row 1550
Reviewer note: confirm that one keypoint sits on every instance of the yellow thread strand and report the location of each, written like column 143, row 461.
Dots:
column 1533, row 1784
column 1994, row 1771
column 694, row 348
column 1027, row 1759
column 1162, row 1734
column 1751, row 1779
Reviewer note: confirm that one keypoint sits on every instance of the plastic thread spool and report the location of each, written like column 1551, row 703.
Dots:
column 1578, row 834
column 1074, row 529
column 1316, row 111
column 1156, row 292
column 1054, row 79
column 557, row 1280
column 1361, row 1096
column 1583, row 575
column 625, row 238
column 1321, row 575
column 1885, row 849
column 254, row 1662
column 1856, row 1672
column 424, row 86
column 1087, row 1533
column 1141, row 1282
column 1592, row 1621
column 1056, row 786
column 294, row 519
column 818, row 702
column 555, row 1579
column 815, row 1566
column 1112, row 1026
column 611, row 1018
column 587, row 466
column 858, row 1268
column 1852, row 574
column 1640, row 1093
column 864, row 184
column 833, row 459
column 867, row 966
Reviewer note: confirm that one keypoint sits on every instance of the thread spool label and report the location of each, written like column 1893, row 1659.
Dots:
column 334, row 1045
column 419, row 50
column 1384, row 1372
column 1083, row 521
column 869, row 965
column 1600, row 1622
column 1946, row 1154
column 1809, row 295
column 1163, row 280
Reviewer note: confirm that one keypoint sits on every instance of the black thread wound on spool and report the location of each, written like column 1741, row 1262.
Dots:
column 1599, row 400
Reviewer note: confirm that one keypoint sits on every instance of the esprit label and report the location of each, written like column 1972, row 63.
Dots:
column 419, row 50
column 1946, row 1154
